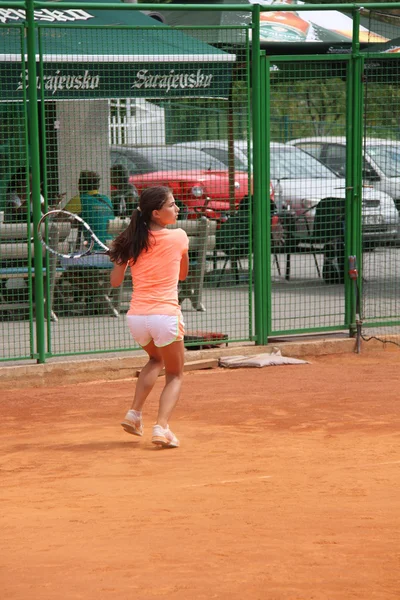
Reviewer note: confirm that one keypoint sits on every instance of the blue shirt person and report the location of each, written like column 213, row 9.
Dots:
column 97, row 211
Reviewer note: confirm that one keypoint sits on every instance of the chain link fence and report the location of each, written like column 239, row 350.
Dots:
column 269, row 157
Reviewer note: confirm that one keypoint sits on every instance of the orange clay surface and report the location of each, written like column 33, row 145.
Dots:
column 286, row 486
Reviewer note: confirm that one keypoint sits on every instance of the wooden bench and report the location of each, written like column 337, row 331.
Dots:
column 15, row 252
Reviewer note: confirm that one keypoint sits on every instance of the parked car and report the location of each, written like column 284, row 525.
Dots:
column 198, row 181
column 219, row 150
column 300, row 181
column 381, row 160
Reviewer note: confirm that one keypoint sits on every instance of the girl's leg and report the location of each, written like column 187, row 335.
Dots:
column 173, row 357
column 132, row 422
column 148, row 376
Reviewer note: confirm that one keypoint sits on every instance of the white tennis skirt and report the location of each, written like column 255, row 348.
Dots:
column 161, row 329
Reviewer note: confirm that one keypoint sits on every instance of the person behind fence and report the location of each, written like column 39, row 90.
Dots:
column 157, row 258
column 124, row 195
column 96, row 210
column 74, row 205
column 17, row 208
column 90, row 288
column 18, row 197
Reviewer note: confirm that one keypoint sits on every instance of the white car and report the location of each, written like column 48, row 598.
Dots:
column 381, row 161
column 300, row 181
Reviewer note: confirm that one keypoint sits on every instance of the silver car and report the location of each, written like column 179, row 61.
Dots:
column 381, row 160
column 219, row 149
column 300, row 181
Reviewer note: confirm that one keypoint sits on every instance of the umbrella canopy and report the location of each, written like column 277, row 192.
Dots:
column 281, row 32
column 85, row 57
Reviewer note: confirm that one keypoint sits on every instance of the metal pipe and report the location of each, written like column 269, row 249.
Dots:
column 348, row 303
column 357, row 156
column 260, row 326
column 37, row 5
column 35, row 191
column 266, row 233
column 213, row 7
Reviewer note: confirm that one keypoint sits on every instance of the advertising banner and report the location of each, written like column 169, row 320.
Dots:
column 69, row 81
column 329, row 26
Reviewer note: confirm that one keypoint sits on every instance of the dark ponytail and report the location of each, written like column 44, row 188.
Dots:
column 136, row 238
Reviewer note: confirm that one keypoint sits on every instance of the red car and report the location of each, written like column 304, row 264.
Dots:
column 198, row 181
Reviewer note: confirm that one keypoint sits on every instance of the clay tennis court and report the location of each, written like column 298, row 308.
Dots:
column 286, row 487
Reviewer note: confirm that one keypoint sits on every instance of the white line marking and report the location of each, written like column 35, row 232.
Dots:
column 395, row 462
column 224, row 481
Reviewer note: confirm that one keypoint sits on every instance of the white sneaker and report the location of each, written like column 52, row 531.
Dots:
column 164, row 437
column 131, row 425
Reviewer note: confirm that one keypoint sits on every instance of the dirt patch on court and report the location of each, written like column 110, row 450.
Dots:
column 286, row 487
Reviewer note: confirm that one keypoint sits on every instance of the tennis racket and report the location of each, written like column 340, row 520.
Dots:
column 48, row 231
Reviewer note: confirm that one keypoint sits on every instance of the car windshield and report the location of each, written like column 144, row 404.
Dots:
column 181, row 159
column 295, row 164
column 222, row 155
column 244, row 148
column 387, row 158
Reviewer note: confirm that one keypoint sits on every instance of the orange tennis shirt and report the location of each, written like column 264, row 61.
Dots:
column 155, row 274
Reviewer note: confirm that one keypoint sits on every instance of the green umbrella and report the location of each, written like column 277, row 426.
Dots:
column 112, row 53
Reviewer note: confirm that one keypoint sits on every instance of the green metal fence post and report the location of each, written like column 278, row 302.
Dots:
column 248, row 123
column 35, row 166
column 356, row 159
column 349, row 313
column 265, row 194
column 259, row 297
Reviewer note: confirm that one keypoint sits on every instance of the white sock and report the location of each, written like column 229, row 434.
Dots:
column 136, row 414
column 163, row 428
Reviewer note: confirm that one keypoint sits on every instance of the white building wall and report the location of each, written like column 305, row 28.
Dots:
column 137, row 123
column 83, row 143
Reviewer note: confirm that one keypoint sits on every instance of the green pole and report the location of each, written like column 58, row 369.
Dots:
column 260, row 326
column 265, row 195
column 357, row 158
column 26, row 149
column 349, row 313
column 35, row 166
column 250, row 183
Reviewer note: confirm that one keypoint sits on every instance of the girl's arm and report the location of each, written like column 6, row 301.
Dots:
column 117, row 275
column 184, row 268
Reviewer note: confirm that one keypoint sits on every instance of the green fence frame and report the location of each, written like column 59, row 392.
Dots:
column 353, row 244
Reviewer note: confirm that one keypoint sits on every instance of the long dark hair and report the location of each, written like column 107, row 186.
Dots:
column 136, row 238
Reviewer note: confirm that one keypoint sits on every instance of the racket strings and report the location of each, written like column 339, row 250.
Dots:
column 66, row 235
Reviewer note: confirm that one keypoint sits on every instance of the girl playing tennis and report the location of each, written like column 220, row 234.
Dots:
column 158, row 258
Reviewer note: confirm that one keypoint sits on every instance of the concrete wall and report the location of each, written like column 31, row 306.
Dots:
column 82, row 143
